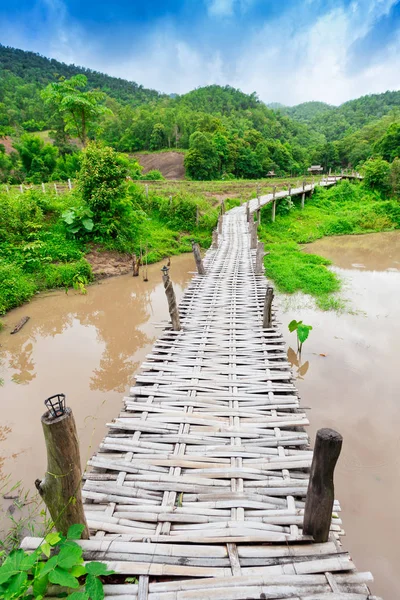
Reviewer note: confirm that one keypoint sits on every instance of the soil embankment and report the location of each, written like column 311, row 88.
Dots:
column 170, row 164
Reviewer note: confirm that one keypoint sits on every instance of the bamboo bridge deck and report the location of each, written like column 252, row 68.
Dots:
column 198, row 489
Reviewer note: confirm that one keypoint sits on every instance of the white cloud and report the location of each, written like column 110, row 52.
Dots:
column 220, row 8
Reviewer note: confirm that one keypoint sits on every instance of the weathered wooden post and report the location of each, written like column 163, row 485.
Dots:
column 320, row 493
column 220, row 223
column 290, row 190
column 222, row 207
column 248, row 211
column 260, row 258
column 172, row 305
column 197, row 257
column 43, row 188
column 61, row 486
column 253, row 234
column 273, row 214
column 135, row 266
column 55, row 188
column 21, row 188
column 267, row 315
column 214, row 239
column 69, row 184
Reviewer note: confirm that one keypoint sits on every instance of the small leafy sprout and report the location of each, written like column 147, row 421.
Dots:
column 24, row 575
column 302, row 331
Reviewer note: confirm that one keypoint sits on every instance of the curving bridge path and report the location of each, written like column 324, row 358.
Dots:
column 198, row 490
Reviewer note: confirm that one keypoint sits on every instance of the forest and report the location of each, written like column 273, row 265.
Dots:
column 49, row 110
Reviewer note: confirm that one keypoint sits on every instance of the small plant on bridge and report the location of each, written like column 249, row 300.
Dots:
column 302, row 331
column 24, row 575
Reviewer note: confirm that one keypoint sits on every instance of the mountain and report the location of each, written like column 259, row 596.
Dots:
column 32, row 68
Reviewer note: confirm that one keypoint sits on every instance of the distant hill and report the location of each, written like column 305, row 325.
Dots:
column 33, row 68
column 335, row 122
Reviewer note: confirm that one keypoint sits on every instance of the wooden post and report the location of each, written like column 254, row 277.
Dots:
column 222, row 207
column 43, row 188
column 214, row 239
column 267, row 316
column 273, row 215
column 8, row 189
column 21, row 189
column 69, row 184
column 289, row 190
column 135, row 266
column 55, row 187
column 220, row 223
column 197, row 257
column 320, row 493
column 172, row 306
column 260, row 258
column 259, row 216
column 170, row 200
column 248, row 211
column 253, row 234
column 304, row 186
column 61, row 487
column 303, row 197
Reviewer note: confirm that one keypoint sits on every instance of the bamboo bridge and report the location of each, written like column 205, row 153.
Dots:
column 199, row 488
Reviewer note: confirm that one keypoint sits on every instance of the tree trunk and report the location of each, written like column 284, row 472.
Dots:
column 61, row 487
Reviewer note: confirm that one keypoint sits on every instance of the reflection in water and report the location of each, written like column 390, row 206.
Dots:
column 352, row 387
column 88, row 347
column 296, row 361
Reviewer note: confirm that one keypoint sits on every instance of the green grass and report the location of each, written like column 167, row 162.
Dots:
column 348, row 208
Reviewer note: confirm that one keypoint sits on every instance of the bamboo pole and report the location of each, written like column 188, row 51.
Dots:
column 135, row 266
column 267, row 315
column 253, row 234
column 321, row 493
column 260, row 258
column 197, row 257
column 61, row 487
column 220, row 224
column 172, row 305
column 248, row 211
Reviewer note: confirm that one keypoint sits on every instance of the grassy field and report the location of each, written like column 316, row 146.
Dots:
column 347, row 208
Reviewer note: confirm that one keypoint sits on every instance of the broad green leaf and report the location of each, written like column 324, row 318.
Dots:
column 78, row 570
column 53, row 538
column 293, row 325
column 75, row 532
column 303, row 332
column 16, row 584
column 94, row 588
column 62, row 577
column 40, row 585
column 11, row 566
column 46, row 549
column 78, row 596
column 68, row 217
column 50, row 565
column 88, row 224
column 98, row 568
column 70, row 555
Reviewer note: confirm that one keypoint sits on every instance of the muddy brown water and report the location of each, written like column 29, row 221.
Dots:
column 91, row 346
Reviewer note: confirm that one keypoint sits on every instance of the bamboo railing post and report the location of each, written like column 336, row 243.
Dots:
column 290, row 190
column 61, row 487
column 253, row 234
column 172, row 305
column 259, row 216
column 21, row 188
column 273, row 214
column 214, row 239
column 55, row 189
column 197, row 257
column 220, row 223
column 69, row 184
column 267, row 315
column 248, row 211
column 260, row 258
column 320, row 493
column 43, row 188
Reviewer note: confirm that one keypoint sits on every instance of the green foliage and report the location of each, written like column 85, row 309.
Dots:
column 38, row 159
column 389, row 145
column 15, row 286
column 377, row 175
column 29, row 576
column 78, row 220
column 302, row 331
column 395, row 177
column 78, row 109
column 153, row 175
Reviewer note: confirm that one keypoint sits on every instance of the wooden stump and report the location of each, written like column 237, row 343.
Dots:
column 197, row 257
column 321, row 493
column 172, row 305
column 61, row 487
column 267, row 316
column 135, row 266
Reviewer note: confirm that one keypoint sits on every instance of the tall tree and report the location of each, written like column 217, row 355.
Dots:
column 79, row 109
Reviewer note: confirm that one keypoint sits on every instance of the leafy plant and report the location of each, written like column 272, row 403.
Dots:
column 80, row 283
column 302, row 331
column 28, row 576
column 78, row 220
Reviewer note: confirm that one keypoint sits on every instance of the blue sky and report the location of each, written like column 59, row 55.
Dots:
column 288, row 51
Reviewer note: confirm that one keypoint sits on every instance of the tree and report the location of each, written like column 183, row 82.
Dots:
column 377, row 175
column 202, row 160
column 78, row 109
column 38, row 159
column 389, row 144
column 395, row 176
column 102, row 178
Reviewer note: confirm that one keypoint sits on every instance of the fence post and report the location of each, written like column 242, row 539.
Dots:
column 172, row 305
column 214, row 239
column 135, row 266
column 220, row 223
column 267, row 315
column 69, row 184
column 290, row 190
column 55, row 187
column 321, row 493
column 43, row 188
column 197, row 257
column 8, row 189
column 61, row 486
column 253, row 226
column 259, row 258
column 21, row 188
column 248, row 211
column 273, row 215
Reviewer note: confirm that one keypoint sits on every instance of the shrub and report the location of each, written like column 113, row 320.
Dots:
column 153, row 175
column 377, row 175
column 15, row 287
